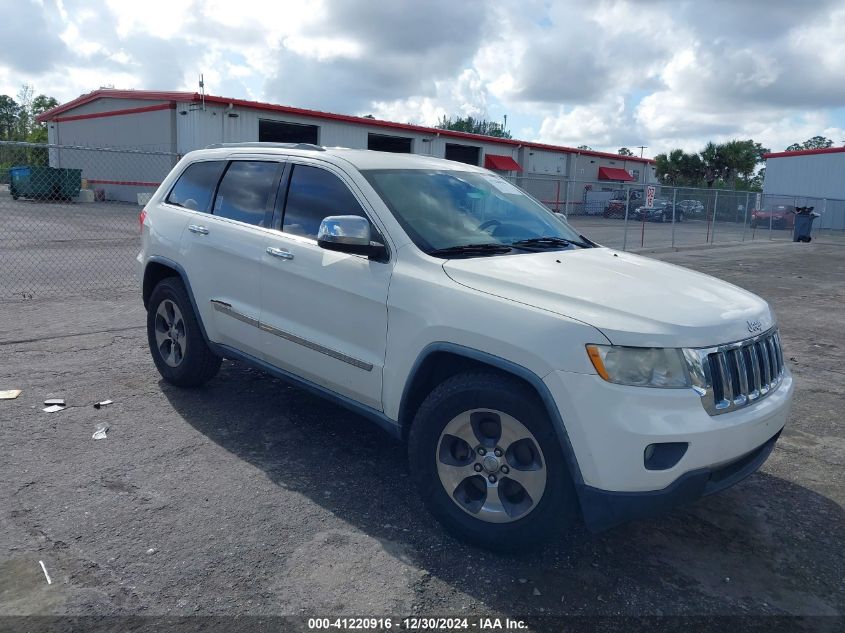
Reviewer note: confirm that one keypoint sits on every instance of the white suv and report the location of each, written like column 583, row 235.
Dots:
column 535, row 375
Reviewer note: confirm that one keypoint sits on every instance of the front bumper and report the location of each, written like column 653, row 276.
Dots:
column 603, row 509
column 609, row 427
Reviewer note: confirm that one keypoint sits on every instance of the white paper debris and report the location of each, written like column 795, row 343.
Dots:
column 102, row 403
column 46, row 575
column 9, row 394
column 100, row 431
column 53, row 408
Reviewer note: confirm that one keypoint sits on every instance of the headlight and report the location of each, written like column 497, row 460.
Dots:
column 640, row 366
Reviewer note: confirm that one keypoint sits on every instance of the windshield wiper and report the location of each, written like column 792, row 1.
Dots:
column 493, row 248
column 548, row 242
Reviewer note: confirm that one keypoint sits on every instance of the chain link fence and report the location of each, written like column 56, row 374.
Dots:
column 619, row 214
column 69, row 215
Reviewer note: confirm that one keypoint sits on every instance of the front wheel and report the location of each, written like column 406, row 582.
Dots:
column 178, row 348
column 488, row 464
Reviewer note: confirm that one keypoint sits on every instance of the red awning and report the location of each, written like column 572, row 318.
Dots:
column 500, row 163
column 614, row 173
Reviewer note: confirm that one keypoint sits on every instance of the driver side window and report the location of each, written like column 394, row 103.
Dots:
column 314, row 194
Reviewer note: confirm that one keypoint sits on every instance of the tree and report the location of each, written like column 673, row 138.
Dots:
column 739, row 158
column 679, row 168
column 39, row 105
column 9, row 117
column 18, row 117
column 728, row 164
column 473, row 126
column 624, row 151
column 586, row 147
column 817, row 142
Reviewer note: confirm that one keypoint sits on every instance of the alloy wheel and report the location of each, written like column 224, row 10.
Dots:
column 170, row 333
column 491, row 465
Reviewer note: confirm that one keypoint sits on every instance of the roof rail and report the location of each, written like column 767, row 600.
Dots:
column 306, row 146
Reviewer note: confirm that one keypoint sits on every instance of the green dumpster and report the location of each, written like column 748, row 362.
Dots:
column 44, row 183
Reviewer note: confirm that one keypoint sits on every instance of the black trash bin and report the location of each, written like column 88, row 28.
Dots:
column 804, row 217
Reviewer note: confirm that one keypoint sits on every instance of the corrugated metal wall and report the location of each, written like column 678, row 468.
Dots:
column 816, row 175
column 120, row 175
column 190, row 126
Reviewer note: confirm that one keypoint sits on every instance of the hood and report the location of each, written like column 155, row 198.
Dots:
column 633, row 300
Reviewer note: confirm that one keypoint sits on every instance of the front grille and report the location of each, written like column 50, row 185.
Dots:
column 741, row 373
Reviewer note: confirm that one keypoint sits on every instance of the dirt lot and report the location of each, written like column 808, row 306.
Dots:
column 251, row 497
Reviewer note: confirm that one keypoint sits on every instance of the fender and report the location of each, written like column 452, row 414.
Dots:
column 511, row 368
column 158, row 259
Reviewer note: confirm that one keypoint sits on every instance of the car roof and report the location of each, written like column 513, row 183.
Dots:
column 359, row 158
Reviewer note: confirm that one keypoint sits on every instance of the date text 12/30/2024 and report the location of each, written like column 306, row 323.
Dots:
column 417, row 624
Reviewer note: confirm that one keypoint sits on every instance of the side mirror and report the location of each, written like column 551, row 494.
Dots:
column 348, row 234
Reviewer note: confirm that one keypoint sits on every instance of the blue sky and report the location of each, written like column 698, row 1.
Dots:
column 604, row 73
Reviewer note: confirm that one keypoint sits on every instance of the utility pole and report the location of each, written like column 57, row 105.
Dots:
column 642, row 147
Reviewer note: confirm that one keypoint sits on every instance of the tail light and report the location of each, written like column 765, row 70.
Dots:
column 141, row 217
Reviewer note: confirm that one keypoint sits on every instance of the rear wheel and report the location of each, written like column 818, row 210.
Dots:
column 488, row 463
column 178, row 348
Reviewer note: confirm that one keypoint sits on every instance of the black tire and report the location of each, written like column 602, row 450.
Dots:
column 557, row 509
column 199, row 364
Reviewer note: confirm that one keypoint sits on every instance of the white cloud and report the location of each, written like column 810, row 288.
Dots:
column 605, row 74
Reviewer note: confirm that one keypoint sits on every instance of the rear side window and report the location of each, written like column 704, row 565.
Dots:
column 246, row 191
column 313, row 195
column 195, row 186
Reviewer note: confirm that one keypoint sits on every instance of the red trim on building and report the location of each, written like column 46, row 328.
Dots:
column 194, row 97
column 110, row 93
column 501, row 163
column 99, row 115
column 805, row 152
column 125, row 183
column 614, row 173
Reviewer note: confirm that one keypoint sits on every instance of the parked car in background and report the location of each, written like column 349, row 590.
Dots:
column 615, row 207
column 779, row 216
column 691, row 208
column 659, row 211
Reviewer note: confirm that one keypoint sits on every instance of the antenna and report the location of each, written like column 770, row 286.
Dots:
column 202, row 90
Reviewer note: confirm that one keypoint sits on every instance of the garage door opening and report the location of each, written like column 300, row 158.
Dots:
column 468, row 154
column 282, row 132
column 386, row 143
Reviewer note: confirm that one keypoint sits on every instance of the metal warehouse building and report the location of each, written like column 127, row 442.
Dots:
column 809, row 177
column 178, row 122
column 818, row 173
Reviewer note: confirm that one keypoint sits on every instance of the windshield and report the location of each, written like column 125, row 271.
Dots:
column 443, row 209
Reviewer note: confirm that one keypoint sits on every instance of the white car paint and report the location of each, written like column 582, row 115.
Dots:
column 536, row 311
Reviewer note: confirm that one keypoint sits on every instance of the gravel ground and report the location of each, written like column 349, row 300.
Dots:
column 249, row 496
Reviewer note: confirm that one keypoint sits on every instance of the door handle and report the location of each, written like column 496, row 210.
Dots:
column 196, row 228
column 278, row 252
